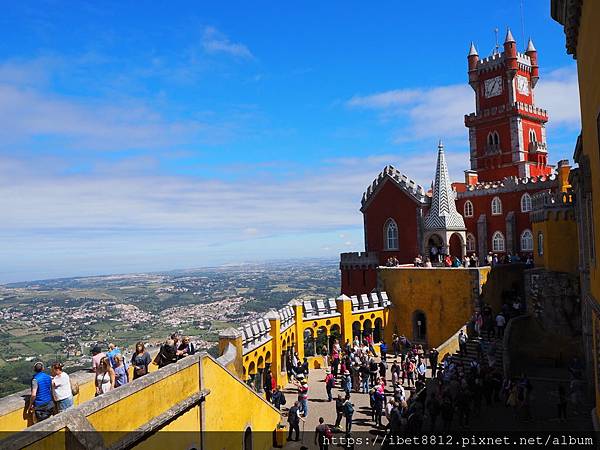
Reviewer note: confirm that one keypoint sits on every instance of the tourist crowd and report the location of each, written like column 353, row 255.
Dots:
column 53, row 393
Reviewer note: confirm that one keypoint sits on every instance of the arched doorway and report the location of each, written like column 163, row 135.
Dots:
column 356, row 333
column 309, row 342
column 456, row 245
column 322, row 340
column 419, row 326
column 248, row 439
column 435, row 247
column 334, row 334
column 378, row 331
column 367, row 328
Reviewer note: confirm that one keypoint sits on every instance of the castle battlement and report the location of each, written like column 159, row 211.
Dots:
column 408, row 185
column 509, row 184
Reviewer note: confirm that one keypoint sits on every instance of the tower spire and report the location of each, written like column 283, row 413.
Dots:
column 509, row 36
column 473, row 50
column 443, row 214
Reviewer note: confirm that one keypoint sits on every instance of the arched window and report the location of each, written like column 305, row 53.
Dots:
column 498, row 242
column 496, row 206
column 493, row 138
column 540, row 243
column 526, row 241
column 468, row 209
column 532, row 135
column 470, row 243
column 391, row 235
column 526, row 203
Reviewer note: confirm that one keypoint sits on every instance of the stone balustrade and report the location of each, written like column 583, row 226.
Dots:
column 255, row 334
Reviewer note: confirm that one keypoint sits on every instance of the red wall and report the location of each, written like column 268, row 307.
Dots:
column 511, row 201
column 358, row 281
column 392, row 202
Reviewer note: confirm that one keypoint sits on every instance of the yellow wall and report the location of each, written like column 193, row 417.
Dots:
column 231, row 406
column 561, row 248
column 588, row 68
column 446, row 296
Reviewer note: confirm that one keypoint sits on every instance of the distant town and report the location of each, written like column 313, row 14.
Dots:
column 61, row 319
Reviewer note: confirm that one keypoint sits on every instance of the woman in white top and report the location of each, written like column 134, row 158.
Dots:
column 61, row 387
column 105, row 378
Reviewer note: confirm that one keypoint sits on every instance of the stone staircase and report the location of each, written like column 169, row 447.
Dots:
column 472, row 345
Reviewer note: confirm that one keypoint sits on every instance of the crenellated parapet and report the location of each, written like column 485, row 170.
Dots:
column 543, row 203
column 359, row 260
column 414, row 190
column 509, row 184
column 369, row 302
column 297, row 327
column 320, row 308
column 255, row 334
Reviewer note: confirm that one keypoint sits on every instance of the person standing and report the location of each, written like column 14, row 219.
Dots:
column 433, row 361
column 185, row 348
column 462, row 342
column 105, row 378
column 97, row 355
column 303, row 396
column 140, row 361
column 121, row 373
column 322, row 435
column 329, row 384
column 500, row 324
column 339, row 411
column 41, row 404
column 294, row 419
column 113, row 351
column 348, row 412
column 61, row 388
column 383, row 350
column 278, row 398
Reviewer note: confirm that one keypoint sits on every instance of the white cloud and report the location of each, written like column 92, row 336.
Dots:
column 213, row 41
column 558, row 92
column 438, row 112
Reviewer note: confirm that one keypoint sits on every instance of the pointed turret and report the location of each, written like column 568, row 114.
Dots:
column 510, row 51
column 443, row 214
column 535, row 70
column 473, row 50
column 509, row 36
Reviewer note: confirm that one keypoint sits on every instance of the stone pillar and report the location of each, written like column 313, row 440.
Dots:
column 299, row 327
column 482, row 238
column 344, row 307
column 511, row 231
column 277, row 347
column 233, row 336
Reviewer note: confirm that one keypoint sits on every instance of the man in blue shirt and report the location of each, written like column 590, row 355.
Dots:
column 112, row 352
column 41, row 402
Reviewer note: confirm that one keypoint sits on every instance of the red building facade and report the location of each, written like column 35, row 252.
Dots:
column 508, row 164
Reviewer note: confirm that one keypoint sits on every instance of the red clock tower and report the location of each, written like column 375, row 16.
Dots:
column 507, row 132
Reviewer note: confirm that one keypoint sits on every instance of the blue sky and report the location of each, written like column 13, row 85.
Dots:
column 156, row 135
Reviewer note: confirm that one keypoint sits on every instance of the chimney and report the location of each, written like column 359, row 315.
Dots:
column 471, row 177
column 564, row 169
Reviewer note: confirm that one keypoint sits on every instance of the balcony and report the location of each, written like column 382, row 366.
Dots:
column 542, row 202
column 493, row 149
column 538, row 147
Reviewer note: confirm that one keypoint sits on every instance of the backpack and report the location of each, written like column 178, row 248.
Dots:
column 282, row 399
column 348, row 409
column 331, row 382
column 328, row 433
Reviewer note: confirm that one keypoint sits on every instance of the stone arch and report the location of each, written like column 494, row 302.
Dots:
column 268, row 358
column 367, row 327
column 321, row 339
column 247, row 444
column 378, row 330
column 335, row 332
column 356, row 330
column 436, row 241
column 456, row 245
column 419, row 320
column 309, row 342
column 251, row 368
column 260, row 364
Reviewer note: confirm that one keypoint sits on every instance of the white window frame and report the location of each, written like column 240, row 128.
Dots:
column 471, row 240
column 468, row 210
column 526, row 202
column 386, row 235
column 498, row 242
column 532, row 135
column 496, row 206
column 527, row 234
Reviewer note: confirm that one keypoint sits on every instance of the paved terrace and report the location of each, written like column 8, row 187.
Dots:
column 496, row 417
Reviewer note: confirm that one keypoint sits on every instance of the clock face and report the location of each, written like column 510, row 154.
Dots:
column 493, row 87
column 522, row 85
